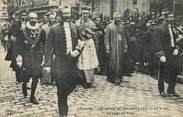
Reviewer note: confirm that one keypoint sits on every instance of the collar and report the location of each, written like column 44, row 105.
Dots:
column 37, row 26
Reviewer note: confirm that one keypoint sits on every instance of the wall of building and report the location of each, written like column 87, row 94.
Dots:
column 3, row 10
column 142, row 5
column 40, row 6
column 105, row 7
column 110, row 6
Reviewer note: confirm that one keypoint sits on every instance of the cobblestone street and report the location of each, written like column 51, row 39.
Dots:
column 137, row 97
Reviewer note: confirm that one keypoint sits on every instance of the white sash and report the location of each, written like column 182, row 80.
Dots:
column 68, row 37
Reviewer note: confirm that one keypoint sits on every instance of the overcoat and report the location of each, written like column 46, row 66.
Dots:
column 32, row 52
column 14, row 31
column 162, row 46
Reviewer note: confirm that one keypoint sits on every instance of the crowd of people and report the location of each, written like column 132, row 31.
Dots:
column 68, row 49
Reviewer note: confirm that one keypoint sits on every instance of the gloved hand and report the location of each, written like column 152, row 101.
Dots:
column 13, row 38
column 163, row 59
column 175, row 52
column 74, row 53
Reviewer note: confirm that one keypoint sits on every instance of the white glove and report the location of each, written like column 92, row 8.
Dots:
column 132, row 23
column 74, row 53
column 13, row 38
column 6, row 38
column 175, row 52
column 163, row 59
column 47, row 69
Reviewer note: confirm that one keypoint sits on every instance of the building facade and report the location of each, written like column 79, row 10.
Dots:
column 3, row 10
column 108, row 7
column 104, row 7
column 39, row 6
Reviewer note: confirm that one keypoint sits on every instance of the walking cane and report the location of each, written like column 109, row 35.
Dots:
column 158, row 69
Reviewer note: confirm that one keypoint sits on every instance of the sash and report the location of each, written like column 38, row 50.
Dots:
column 67, row 31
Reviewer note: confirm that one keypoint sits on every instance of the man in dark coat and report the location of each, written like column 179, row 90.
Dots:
column 62, row 41
column 14, row 34
column 148, row 54
column 99, row 43
column 167, row 51
column 31, row 50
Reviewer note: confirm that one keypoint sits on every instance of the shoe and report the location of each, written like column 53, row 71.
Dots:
column 34, row 101
column 87, row 85
column 163, row 94
column 174, row 94
column 63, row 115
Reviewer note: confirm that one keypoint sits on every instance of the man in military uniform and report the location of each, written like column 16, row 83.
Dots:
column 167, row 50
column 63, row 39
column 31, row 55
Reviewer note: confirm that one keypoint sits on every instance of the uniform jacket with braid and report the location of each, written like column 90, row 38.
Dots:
column 162, row 43
column 56, row 44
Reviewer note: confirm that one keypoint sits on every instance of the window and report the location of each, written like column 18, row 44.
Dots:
column 134, row 1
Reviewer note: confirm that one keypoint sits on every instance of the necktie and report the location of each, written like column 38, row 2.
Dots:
column 172, row 43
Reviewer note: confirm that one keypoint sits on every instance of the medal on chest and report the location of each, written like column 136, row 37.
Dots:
column 32, row 36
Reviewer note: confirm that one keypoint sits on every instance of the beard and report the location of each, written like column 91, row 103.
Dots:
column 32, row 23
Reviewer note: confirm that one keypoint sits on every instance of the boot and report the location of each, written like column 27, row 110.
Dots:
column 34, row 100
column 33, row 90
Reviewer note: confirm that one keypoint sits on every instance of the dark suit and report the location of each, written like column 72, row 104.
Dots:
column 163, row 47
column 67, row 75
column 32, row 58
